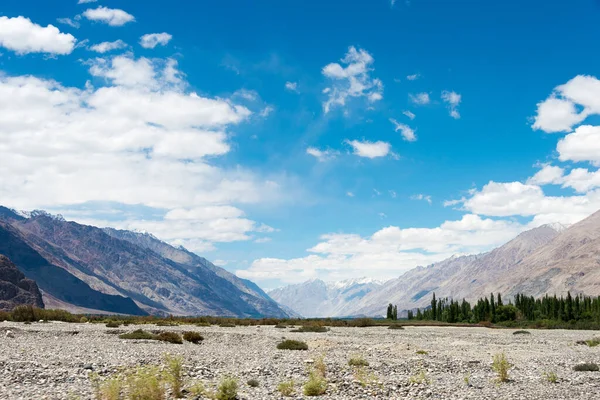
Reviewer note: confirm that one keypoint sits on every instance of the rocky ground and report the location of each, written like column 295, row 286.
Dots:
column 54, row 361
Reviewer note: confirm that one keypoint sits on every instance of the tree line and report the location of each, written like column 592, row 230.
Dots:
column 493, row 309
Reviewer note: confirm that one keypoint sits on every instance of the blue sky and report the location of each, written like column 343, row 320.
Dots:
column 287, row 141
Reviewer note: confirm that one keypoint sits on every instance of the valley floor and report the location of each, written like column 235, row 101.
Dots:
column 51, row 361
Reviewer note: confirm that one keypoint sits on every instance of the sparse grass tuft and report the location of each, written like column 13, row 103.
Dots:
column 197, row 390
column 110, row 389
column 586, row 367
column 227, row 389
column 362, row 322
column 202, row 324
column 166, row 323
column 500, row 365
column 193, row 337
column 311, row 328
column 420, row 378
column 316, row 384
column 422, row 352
column 358, row 361
column 146, row 383
column 174, row 375
column 227, row 325
column 286, row 388
column 253, row 383
column 113, row 324
column 363, row 377
column 551, row 376
column 593, row 342
column 292, row 345
column 320, row 366
column 281, row 326
column 521, row 332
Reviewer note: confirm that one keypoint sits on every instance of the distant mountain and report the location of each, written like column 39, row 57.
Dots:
column 88, row 267
column 316, row 298
column 15, row 289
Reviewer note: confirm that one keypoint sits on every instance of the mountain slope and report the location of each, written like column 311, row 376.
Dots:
column 74, row 261
column 15, row 289
column 316, row 298
column 57, row 281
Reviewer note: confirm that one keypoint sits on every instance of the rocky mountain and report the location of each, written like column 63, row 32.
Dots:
column 316, row 298
column 15, row 289
column 126, row 272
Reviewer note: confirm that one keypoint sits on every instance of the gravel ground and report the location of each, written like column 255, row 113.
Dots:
column 54, row 360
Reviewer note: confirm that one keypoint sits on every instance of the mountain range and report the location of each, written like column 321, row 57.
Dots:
column 88, row 269
column 550, row 259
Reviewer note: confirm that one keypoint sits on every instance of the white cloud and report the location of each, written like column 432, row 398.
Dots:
column 86, row 1
column 138, row 140
column 105, row 47
column 420, row 98
column 370, row 149
column 263, row 240
column 22, row 36
column 265, row 112
column 409, row 114
column 352, row 80
column 407, row 132
column 349, row 194
column 559, row 112
column 292, row 86
column 453, row 100
column 392, row 194
column 110, row 16
column 581, row 145
column 388, row 252
column 321, row 155
column 68, row 21
column 413, row 77
column 549, row 174
column 151, row 40
column 423, row 197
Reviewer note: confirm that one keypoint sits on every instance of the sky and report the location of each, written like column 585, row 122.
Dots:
column 288, row 141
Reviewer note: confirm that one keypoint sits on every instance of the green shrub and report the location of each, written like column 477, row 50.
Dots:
column 521, row 332
column 227, row 325
column 280, row 326
column 311, row 328
column 113, row 324
column 193, row 337
column 358, row 361
column 174, row 375
column 292, row 345
column 83, row 320
column 23, row 314
column 138, row 334
column 422, row 352
column 593, row 342
column 171, row 337
column 253, row 383
column 316, row 385
column 500, row 365
column 395, row 326
column 166, row 323
column 202, row 324
column 227, row 389
column 287, row 388
column 362, row 322
column 586, row 367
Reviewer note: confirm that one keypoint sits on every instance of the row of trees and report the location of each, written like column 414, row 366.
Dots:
column 392, row 312
column 493, row 309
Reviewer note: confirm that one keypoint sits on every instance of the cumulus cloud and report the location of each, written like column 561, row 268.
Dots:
column 569, row 105
column 581, row 180
column 370, row 149
column 387, row 252
column 151, row 40
column 139, row 139
column 452, row 99
column 351, row 79
column 406, row 131
column 413, row 77
column 105, row 47
column 110, row 16
column 581, row 145
column 549, row 174
column 22, row 36
column 420, row 98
